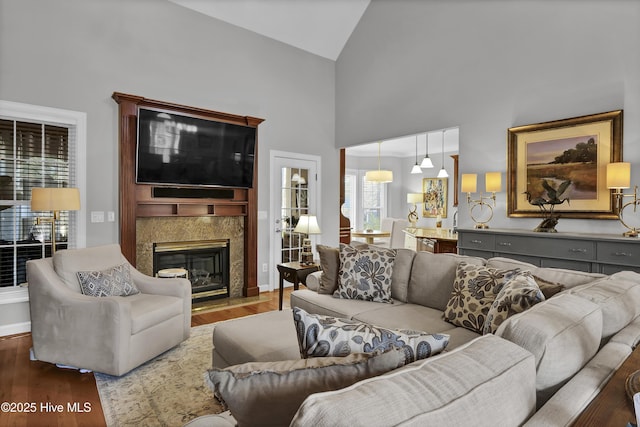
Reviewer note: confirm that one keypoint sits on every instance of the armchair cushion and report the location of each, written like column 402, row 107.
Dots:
column 67, row 263
column 114, row 281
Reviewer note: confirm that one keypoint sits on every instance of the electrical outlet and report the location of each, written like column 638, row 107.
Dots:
column 265, row 267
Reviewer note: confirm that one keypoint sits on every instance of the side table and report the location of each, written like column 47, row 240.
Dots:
column 295, row 273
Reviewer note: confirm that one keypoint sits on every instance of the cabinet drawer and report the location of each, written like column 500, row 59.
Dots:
column 566, row 249
column 619, row 253
column 478, row 241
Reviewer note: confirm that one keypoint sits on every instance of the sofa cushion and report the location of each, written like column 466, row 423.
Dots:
column 517, row 295
column 617, row 295
column 432, row 277
column 563, row 333
column 111, row 282
column 486, row 382
column 568, row 278
column 321, row 336
column 474, row 290
column 401, row 274
column 330, row 264
column 365, row 274
column 312, row 302
column 270, row 393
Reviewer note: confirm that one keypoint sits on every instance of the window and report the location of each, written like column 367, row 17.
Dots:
column 39, row 147
column 365, row 202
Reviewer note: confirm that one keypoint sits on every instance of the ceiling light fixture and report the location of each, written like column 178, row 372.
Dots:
column 426, row 162
column 379, row 175
column 443, row 172
column 416, row 168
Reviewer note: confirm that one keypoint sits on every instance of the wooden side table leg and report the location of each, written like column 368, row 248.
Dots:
column 281, row 291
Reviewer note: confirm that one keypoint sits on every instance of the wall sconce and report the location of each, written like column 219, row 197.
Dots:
column 307, row 224
column 493, row 184
column 56, row 200
column 619, row 178
column 414, row 198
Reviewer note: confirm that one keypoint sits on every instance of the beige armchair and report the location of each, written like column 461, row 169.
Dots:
column 111, row 334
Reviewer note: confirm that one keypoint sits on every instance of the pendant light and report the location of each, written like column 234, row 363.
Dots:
column 443, row 173
column 379, row 175
column 416, row 167
column 426, row 162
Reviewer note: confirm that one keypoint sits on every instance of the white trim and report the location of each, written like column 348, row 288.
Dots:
column 13, row 295
column 77, row 119
column 15, row 328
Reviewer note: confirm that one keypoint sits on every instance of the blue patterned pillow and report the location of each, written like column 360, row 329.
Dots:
column 365, row 274
column 114, row 281
column 321, row 336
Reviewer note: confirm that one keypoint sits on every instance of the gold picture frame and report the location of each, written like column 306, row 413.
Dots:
column 434, row 192
column 570, row 155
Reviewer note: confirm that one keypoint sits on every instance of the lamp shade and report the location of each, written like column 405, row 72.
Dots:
column 469, row 183
column 426, row 163
column 416, row 169
column 379, row 175
column 414, row 198
column 55, row 199
column 493, row 182
column 307, row 224
column 619, row 175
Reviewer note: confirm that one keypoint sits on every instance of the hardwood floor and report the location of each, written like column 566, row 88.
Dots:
column 40, row 394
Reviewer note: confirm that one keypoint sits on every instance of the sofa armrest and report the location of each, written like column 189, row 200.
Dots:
column 313, row 280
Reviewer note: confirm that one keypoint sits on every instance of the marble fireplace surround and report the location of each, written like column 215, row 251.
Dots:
column 181, row 229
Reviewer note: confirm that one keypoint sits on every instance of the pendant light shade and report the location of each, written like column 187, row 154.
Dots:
column 416, row 168
column 443, row 172
column 426, row 162
column 379, row 175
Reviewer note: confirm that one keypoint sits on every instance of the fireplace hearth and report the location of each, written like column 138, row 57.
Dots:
column 206, row 263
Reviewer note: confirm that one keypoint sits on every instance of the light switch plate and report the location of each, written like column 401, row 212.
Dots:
column 97, row 216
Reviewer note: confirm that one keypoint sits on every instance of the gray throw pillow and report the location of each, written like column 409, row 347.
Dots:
column 330, row 264
column 320, row 336
column 269, row 393
column 114, row 281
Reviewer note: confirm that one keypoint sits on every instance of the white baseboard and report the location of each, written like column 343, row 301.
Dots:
column 264, row 288
column 15, row 328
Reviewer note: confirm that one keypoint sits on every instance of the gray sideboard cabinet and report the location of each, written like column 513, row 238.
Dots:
column 595, row 253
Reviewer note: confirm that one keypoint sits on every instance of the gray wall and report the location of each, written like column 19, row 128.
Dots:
column 74, row 54
column 486, row 66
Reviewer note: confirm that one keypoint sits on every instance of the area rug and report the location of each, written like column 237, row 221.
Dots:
column 166, row 391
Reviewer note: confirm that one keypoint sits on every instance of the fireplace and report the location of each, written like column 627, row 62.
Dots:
column 206, row 263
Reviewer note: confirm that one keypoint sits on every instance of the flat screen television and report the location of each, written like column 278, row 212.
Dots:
column 181, row 150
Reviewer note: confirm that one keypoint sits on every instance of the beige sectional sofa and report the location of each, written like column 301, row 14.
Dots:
column 541, row 367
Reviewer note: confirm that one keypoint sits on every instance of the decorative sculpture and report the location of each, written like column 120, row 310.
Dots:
column 554, row 197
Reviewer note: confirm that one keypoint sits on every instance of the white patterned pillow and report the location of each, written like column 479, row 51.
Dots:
column 517, row 295
column 365, row 274
column 321, row 336
column 114, row 281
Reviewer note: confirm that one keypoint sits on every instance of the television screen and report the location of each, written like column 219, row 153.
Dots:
column 177, row 149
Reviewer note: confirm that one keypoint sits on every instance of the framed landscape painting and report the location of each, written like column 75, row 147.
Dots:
column 434, row 191
column 566, row 161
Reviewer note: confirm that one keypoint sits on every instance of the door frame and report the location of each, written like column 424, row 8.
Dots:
column 274, row 209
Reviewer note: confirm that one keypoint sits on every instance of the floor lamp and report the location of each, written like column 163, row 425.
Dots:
column 55, row 200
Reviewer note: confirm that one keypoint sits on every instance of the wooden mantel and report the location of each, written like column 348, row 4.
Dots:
column 136, row 200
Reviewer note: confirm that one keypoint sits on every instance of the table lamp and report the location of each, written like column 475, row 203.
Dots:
column 55, row 200
column 414, row 198
column 307, row 224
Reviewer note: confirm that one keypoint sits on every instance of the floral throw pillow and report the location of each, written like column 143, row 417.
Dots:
column 114, row 281
column 323, row 336
column 519, row 294
column 474, row 290
column 365, row 274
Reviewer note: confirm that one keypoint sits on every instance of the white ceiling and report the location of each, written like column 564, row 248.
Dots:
column 321, row 27
column 406, row 146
